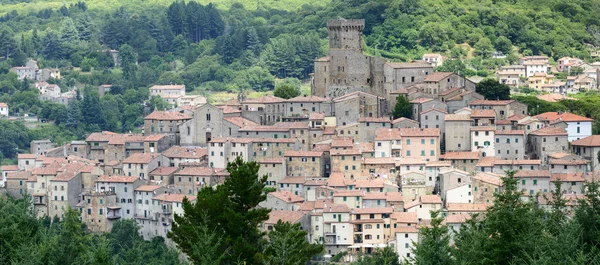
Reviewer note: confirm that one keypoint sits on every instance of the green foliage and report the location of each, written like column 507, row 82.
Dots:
column 434, row 243
column 385, row 256
column 28, row 240
column 288, row 245
column 402, row 108
column 492, row 89
column 288, row 88
column 229, row 210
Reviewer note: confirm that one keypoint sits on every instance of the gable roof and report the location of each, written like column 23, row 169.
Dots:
column 592, row 140
column 566, row 116
column 167, row 116
column 437, row 76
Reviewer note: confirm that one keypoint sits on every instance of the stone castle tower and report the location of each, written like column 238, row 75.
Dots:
column 346, row 69
column 346, row 34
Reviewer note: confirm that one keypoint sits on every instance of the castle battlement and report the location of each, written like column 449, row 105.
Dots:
column 346, row 23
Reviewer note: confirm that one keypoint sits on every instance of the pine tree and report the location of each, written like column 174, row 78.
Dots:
column 231, row 211
column 288, row 245
column 73, row 114
column 128, row 62
column 434, row 243
column 252, row 41
column 402, row 108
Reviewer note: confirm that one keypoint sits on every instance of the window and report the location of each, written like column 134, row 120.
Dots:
column 535, row 182
column 100, row 211
column 431, row 141
column 407, row 141
column 422, row 141
column 522, row 182
column 208, row 116
column 408, row 153
column 497, row 140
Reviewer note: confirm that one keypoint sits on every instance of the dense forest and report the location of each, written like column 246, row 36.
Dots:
column 233, row 46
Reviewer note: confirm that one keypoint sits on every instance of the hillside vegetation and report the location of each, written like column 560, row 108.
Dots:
column 233, row 46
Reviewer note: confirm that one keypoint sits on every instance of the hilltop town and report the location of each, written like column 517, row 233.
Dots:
column 337, row 161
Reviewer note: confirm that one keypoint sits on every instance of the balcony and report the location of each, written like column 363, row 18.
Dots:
column 357, row 240
column 358, row 229
column 113, row 216
column 330, row 240
column 166, row 211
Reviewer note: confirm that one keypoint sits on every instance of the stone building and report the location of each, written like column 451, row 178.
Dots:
column 305, row 163
column 160, row 122
column 503, row 108
column 510, row 144
column 484, row 186
column 458, row 132
column 546, row 141
column 206, row 124
column 99, row 210
column 346, row 69
column 123, row 187
column 39, row 147
column 588, row 148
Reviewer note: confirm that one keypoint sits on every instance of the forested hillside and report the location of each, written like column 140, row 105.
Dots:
column 248, row 45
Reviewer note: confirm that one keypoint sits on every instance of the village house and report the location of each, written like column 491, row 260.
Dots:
column 503, row 108
column 273, row 168
column 189, row 180
column 533, row 181
column 423, row 205
column 588, row 148
column 141, row 164
column 577, row 126
column 484, row 186
column 3, row 109
column 184, row 154
column 170, row 93
column 39, row 147
column 305, row 163
column 224, row 150
column 163, row 175
column 465, row 161
column 124, row 188
column 572, row 183
column 282, row 201
column 165, row 122
column 99, row 210
column 458, row 132
column 482, row 140
column 510, row 144
column 435, row 59
column 546, row 141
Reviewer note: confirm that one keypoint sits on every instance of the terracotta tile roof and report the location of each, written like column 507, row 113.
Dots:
column 121, row 139
column 164, row 171
column 458, row 117
column 461, row 155
column 369, row 183
column 263, row 99
column 487, row 161
column 228, row 110
column 99, row 136
column 457, row 218
column 26, row 156
column 197, row 171
column 550, row 131
column 340, row 141
column 185, row 152
column 467, row 207
column 566, row 116
column 302, row 154
column 568, row 177
column 118, row 179
column 284, row 216
column 367, row 147
column 154, row 137
column 516, row 117
column 373, row 210
column 483, row 102
column 336, row 179
column 337, row 208
column 322, row 148
column 292, row 180
column 140, row 158
column 173, row 197
column 510, row 132
column 167, row 116
column 559, row 155
column 431, row 199
column 272, row 140
column 406, row 229
column 402, row 119
column 147, row 188
column 286, row 196
column 240, row 121
column 51, row 169
column 532, row 174
column 493, row 179
column 437, row 76
column 593, row 140
column 568, row 162
column 340, row 152
column 375, row 196
column 379, row 160
column 394, row 196
column 420, row 100
column 438, row 164
column 306, row 99
column 387, row 134
column 483, row 113
column 10, row 168
column 449, row 91
column 19, row 175
column 316, row 116
column 434, row 109
column 419, row 132
column 330, row 130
